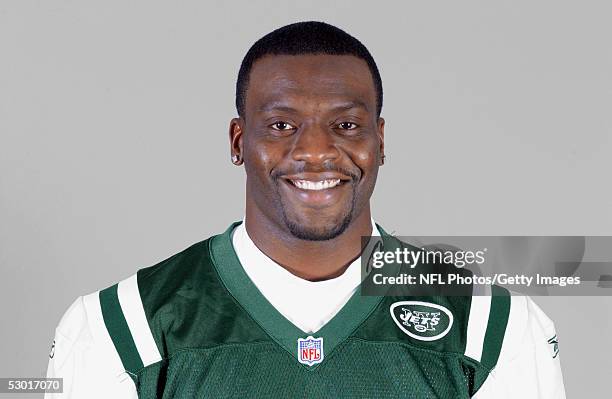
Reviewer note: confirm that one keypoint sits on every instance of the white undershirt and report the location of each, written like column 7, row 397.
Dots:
column 309, row 305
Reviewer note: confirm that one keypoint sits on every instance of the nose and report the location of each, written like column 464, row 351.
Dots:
column 315, row 144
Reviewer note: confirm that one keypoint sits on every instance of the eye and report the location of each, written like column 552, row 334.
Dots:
column 281, row 126
column 347, row 125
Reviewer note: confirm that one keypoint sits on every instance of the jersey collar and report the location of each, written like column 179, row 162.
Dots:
column 281, row 330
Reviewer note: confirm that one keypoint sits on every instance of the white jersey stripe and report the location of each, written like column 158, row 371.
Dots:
column 109, row 359
column 133, row 311
column 477, row 324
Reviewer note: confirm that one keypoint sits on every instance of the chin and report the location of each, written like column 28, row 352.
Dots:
column 318, row 228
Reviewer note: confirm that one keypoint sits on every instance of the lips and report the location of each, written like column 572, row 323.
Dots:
column 316, row 185
column 316, row 190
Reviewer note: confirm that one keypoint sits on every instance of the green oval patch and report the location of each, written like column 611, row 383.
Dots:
column 422, row 320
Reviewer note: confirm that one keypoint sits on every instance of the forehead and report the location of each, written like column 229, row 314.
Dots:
column 314, row 79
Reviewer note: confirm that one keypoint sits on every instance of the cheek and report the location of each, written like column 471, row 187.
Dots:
column 366, row 157
column 260, row 157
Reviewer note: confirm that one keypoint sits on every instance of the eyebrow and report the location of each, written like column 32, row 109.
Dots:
column 281, row 106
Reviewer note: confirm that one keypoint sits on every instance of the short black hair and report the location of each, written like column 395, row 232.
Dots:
column 310, row 37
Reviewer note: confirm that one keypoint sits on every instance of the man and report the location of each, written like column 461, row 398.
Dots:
column 271, row 307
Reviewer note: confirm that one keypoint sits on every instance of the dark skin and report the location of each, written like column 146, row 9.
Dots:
column 311, row 143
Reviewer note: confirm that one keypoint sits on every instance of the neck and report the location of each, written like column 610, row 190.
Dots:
column 310, row 260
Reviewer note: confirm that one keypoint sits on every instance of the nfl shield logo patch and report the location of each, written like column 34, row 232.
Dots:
column 310, row 350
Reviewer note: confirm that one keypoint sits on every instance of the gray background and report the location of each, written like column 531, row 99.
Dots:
column 114, row 145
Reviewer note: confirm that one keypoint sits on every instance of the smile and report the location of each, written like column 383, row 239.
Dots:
column 316, row 185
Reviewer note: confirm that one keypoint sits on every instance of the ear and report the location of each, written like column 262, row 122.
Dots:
column 381, row 137
column 235, row 135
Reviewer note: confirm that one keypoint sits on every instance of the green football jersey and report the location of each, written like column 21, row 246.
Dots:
column 215, row 335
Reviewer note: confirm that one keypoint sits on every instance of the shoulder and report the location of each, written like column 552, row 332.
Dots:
column 114, row 320
column 72, row 333
column 83, row 351
column 177, row 265
column 499, row 328
column 73, row 325
column 528, row 325
column 176, row 284
column 528, row 364
column 130, row 310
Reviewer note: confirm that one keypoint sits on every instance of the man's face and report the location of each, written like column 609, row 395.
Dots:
column 311, row 142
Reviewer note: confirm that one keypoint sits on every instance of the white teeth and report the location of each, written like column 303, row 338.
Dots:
column 316, row 185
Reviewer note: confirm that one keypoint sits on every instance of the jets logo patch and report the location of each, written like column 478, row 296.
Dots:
column 422, row 320
column 310, row 350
